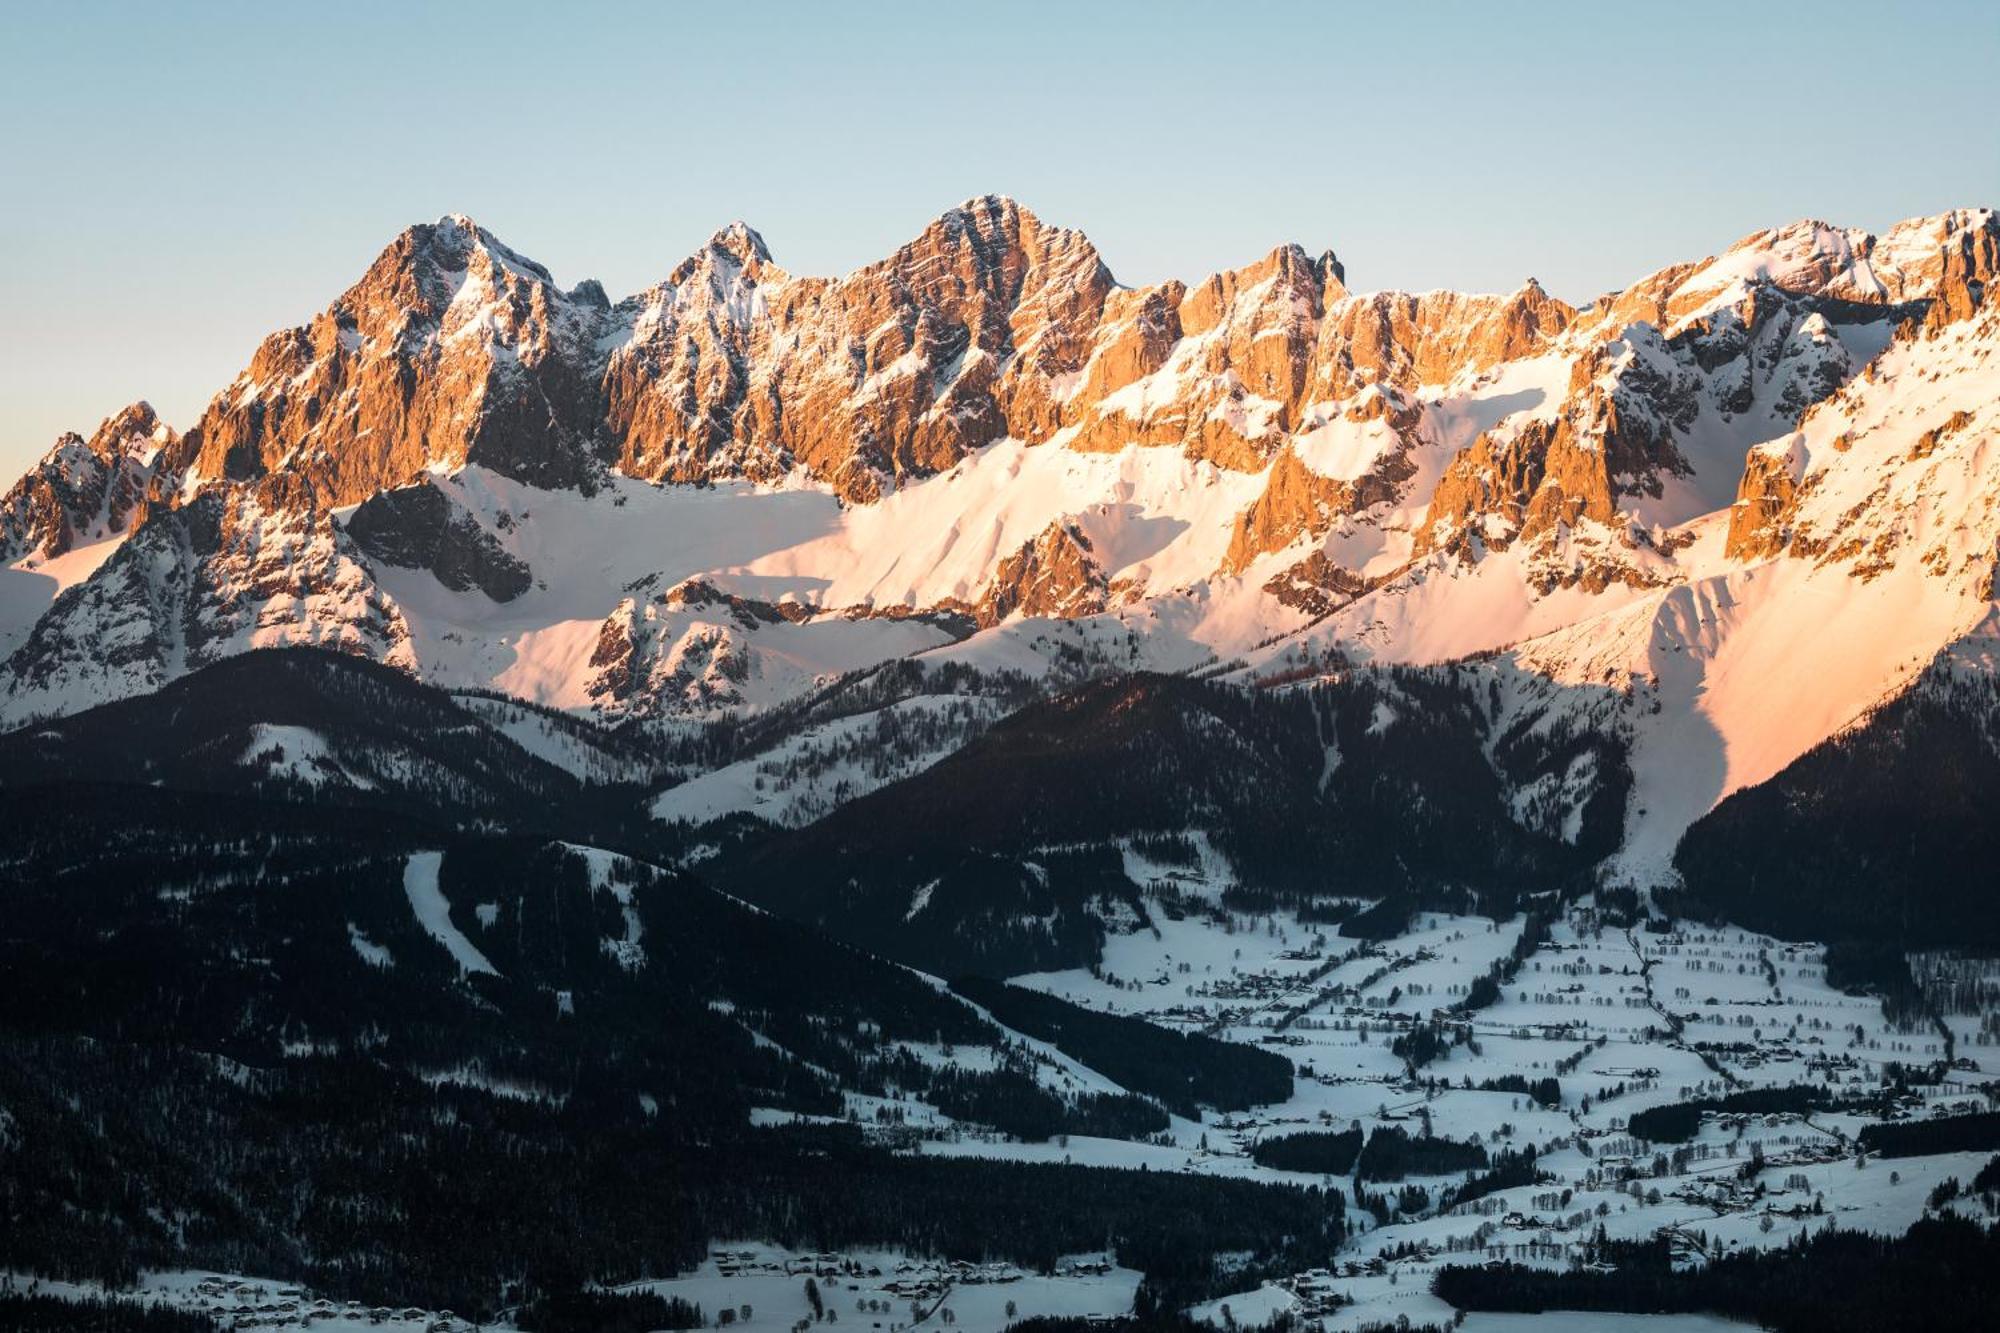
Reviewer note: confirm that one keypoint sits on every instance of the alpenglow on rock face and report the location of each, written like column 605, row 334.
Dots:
column 84, row 489
column 982, row 454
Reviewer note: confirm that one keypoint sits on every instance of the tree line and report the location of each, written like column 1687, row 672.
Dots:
column 1184, row 1070
column 1944, row 1274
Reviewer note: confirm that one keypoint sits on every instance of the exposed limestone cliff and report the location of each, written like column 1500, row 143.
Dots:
column 451, row 350
column 1757, row 521
column 1054, row 575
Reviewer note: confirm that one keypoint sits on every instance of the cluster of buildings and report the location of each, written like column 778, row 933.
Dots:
column 250, row 1305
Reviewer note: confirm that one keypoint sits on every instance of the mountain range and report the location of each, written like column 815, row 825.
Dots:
column 1653, row 549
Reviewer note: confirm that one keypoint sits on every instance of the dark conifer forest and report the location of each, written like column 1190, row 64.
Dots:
column 1944, row 1275
column 322, row 1105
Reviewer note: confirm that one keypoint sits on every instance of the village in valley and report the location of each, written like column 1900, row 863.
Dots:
column 1590, row 1024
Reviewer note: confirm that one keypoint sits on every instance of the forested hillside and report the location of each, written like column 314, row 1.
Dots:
column 991, row 862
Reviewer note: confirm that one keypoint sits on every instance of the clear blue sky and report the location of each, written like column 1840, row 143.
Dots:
column 178, row 180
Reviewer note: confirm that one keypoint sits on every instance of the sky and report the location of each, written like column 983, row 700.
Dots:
column 177, row 181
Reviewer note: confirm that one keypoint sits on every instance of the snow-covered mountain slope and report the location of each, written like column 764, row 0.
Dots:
column 1882, row 554
column 84, row 491
column 68, row 513
column 235, row 568
column 1722, row 512
column 822, row 766
column 1881, row 832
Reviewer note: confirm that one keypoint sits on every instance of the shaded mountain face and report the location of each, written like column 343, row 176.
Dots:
column 1009, row 855
column 421, row 527
column 713, row 501
column 306, row 724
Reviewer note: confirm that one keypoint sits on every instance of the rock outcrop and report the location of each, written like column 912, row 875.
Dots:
column 1055, row 575
column 734, row 367
column 1417, row 340
column 688, row 646
column 419, row 527
column 237, row 568
column 1758, row 519
column 84, row 490
column 1299, row 502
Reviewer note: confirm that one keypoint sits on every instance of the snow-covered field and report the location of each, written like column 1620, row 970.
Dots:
column 887, row 1290
column 1622, row 1019
column 433, row 912
column 761, row 1286
column 237, row 1301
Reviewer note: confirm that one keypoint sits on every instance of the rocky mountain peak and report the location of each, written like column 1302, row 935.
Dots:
column 1295, row 267
column 1331, row 271
column 455, row 234
column 992, row 268
column 135, row 430
column 735, row 254
column 740, row 241
column 419, row 274
column 85, row 490
column 1917, row 261
column 590, row 293
column 988, row 215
